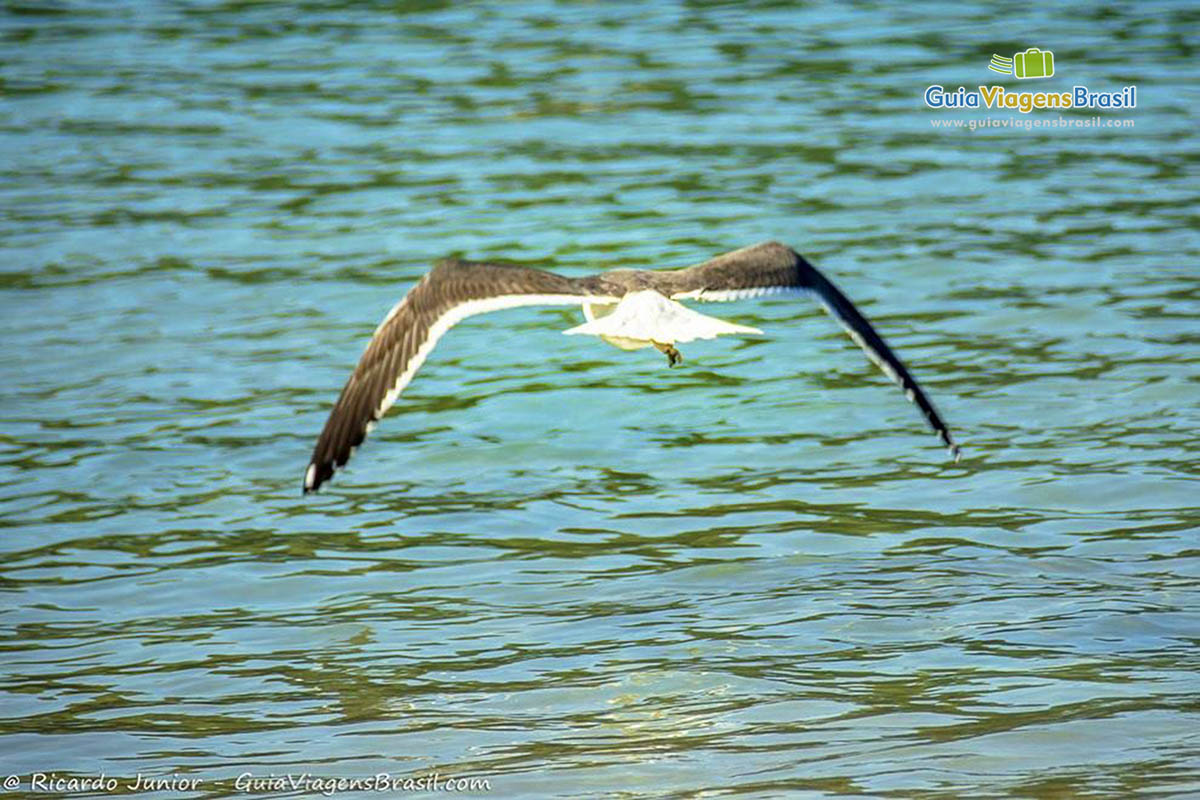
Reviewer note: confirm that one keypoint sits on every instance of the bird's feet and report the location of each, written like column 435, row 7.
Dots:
column 674, row 357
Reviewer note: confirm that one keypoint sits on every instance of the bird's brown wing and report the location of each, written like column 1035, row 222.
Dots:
column 450, row 292
column 772, row 267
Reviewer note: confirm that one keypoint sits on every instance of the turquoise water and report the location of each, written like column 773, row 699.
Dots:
column 561, row 568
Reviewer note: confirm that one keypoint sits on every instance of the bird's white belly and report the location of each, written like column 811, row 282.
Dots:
column 645, row 317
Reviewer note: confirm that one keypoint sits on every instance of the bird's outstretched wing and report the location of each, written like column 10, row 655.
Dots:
column 772, row 267
column 450, row 292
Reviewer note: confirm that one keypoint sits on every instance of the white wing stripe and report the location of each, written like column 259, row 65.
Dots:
column 469, row 309
column 727, row 295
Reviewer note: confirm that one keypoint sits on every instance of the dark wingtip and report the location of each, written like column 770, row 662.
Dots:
column 315, row 475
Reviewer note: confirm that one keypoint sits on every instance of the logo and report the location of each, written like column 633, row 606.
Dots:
column 1033, row 63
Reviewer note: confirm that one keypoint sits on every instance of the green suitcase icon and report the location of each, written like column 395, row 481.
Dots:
column 1033, row 63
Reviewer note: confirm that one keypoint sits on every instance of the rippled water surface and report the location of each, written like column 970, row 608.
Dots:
column 556, row 566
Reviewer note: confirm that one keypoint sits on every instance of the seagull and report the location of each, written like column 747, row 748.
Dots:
column 628, row 308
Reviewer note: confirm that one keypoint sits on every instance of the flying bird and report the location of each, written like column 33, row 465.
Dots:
column 628, row 308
